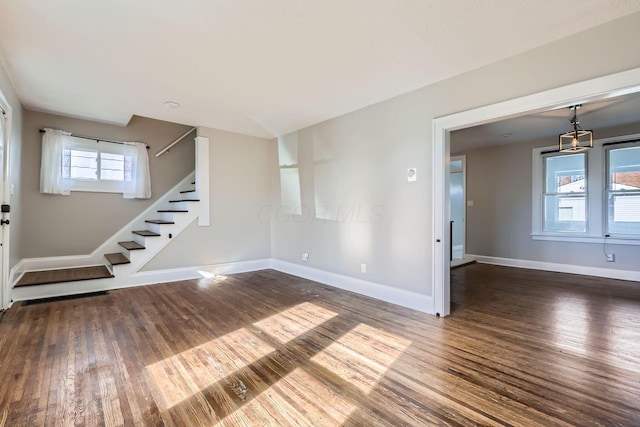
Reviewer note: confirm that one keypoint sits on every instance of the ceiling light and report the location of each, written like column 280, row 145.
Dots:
column 172, row 104
column 578, row 139
column 506, row 135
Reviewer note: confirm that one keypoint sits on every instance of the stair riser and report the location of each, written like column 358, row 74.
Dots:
column 139, row 239
column 183, row 205
column 166, row 216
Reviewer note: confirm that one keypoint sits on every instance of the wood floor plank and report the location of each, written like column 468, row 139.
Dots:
column 521, row 348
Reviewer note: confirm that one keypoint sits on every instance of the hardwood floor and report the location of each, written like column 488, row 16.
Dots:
column 522, row 348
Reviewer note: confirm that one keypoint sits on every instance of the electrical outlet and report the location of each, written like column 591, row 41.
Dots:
column 305, row 257
column 611, row 257
column 363, row 268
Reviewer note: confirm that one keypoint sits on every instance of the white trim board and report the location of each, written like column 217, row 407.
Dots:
column 385, row 293
column 401, row 297
column 139, row 279
column 617, row 84
column 584, row 270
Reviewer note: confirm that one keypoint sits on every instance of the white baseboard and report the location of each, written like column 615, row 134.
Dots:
column 139, row 279
column 609, row 273
column 413, row 300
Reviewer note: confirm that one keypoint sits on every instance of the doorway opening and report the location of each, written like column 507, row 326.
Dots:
column 588, row 91
column 457, row 210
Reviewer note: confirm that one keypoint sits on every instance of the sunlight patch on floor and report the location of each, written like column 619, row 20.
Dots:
column 298, row 399
column 294, row 322
column 362, row 356
column 181, row 376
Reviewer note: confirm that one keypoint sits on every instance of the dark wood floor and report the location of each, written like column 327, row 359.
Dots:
column 521, row 348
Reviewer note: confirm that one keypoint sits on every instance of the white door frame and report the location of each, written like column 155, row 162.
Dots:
column 5, row 289
column 622, row 83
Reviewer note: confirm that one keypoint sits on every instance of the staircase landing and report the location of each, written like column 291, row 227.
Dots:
column 33, row 278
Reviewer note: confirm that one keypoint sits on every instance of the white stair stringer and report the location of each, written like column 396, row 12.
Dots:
column 126, row 275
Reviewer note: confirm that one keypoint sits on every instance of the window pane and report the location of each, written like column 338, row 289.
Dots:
column 565, row 213
column 624, row 169
column 624, row 213
column 623, row 197
column 111, row 167
column 83, row 164
column 565, row 174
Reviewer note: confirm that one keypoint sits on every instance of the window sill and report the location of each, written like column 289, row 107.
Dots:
column 586, row 239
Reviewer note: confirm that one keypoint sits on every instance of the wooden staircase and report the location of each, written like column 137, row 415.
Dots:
column 121, row 264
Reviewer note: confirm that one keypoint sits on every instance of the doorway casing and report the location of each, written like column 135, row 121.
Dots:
column 618, row 84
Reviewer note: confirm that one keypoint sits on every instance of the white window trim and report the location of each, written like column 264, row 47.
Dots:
column 95, row 186
column 596, row 198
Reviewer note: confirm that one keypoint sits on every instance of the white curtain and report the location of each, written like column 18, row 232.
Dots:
column 52, row 162
column 137, row 177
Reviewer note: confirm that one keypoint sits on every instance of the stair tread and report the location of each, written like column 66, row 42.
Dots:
column 173, row 210
column 146, row 233
column 187, row 191
column 117, row 258
column 159, row 221
column 32, row 278
column 132, row 246
column 184, row 200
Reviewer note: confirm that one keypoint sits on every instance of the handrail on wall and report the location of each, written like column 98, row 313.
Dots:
column 168, row 147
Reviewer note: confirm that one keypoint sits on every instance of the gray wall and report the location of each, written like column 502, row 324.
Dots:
column 14, row 167
column 53, row 225
column 370, row 150
column 499, row 181
column 241, row 170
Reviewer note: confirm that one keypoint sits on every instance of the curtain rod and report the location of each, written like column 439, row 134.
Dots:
column 97, row 139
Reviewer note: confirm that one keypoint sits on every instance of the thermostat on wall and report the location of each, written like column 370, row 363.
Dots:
column 411, row 174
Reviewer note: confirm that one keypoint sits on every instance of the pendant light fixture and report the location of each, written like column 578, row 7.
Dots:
column 577, row 139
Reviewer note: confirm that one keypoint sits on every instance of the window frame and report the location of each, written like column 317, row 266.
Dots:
column 98, row 185
column 596, row 214
column 547, row 155
column 608, row 147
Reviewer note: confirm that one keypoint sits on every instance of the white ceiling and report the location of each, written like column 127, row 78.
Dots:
column 263, row 67
column 620, row 110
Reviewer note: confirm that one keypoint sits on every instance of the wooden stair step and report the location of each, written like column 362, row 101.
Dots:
column 146, row 233
column 187, row 191
column 33, row 278
column 131, row 246
column 117, row 258
column 184, row 200
column 173, row 211
column 158, row 221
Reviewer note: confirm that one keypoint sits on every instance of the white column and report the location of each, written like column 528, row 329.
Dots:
column 202, row 180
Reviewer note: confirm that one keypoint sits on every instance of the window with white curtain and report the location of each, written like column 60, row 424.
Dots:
column 79, row 164
column 98, row 167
